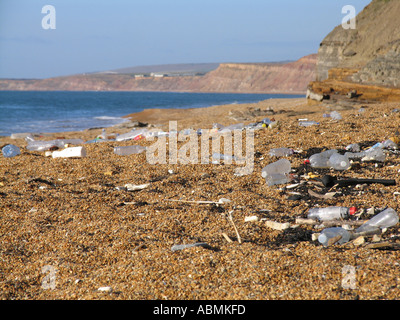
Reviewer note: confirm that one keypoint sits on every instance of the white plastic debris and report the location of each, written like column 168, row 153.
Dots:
column 72, row 152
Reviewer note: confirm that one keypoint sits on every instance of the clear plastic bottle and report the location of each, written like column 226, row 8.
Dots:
column 10, row 151
column 127, row 150
column 131, row 135
column 225, row 157
column 307, row 123
column 331, row 213
column 354, row 147
column 281, row 152
column 321, row 160
column 385, row 219
column 336, row 115
column 281, row 166
column 339, row 162
column 330, row 236
column 277, row 172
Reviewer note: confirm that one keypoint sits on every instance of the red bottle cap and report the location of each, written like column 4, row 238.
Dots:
column 352, row 210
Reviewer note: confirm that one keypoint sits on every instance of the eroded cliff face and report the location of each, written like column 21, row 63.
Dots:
column 362, row 58
column 290, row 78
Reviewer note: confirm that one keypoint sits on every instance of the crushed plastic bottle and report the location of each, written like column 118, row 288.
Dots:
column 237, row 126
column 281, row 152
column 385, row 219
column 307, row 123
column 339, row 162
column 277, row 172
column 354, row 147
column 336, row 115
column 225, row 157
column 334, row 235
column 131, row 135
column 127, row 150
column 331, row 213
column 10, row 151
column 321, row 159
column 40, row 145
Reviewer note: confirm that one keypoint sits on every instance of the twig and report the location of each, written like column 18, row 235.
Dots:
column 234, row 226
column 227, row 237
column 329, row 223
column 199, row 202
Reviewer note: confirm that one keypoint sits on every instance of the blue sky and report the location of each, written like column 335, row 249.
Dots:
column 98, row 35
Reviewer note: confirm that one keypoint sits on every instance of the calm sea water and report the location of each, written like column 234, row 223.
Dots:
column 57, row 111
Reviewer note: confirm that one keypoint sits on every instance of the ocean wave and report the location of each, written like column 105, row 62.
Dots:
column 108, row 118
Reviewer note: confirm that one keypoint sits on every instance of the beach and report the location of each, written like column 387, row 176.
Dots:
column 70, row 230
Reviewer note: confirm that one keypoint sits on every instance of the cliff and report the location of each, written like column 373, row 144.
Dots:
column 290, row 78
column 364, row 62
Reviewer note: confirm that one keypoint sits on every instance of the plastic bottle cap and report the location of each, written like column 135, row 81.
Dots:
column 352, row 210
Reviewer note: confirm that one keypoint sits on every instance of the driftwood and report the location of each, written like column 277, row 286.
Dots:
column 329, row 223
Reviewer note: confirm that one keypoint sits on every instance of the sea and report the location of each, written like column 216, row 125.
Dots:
column 59, row 111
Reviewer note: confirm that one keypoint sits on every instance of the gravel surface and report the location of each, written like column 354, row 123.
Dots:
column 70, row 230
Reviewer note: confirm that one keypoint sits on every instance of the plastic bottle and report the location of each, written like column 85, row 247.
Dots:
column 321, row 160
column 280, row 152
column 127, row 150
column 385, row 219
column 389, row 144
column 131, row 135
column 339, row 162
column 331, row 213
column 336, row 115
column 71, row 152
column 277, row 172
column 354, row 147
column 39, row 145
column 307, row 123
column 281, row 166
column 226, row 157
column 330, row 236
column 10, row 151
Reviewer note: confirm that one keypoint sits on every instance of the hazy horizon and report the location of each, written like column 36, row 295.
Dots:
column 95, row 36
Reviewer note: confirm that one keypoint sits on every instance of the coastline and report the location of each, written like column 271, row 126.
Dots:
column 74, row 216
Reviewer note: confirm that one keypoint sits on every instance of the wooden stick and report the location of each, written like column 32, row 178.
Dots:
column 330, row 222
column 234, row 226
column 227, row 237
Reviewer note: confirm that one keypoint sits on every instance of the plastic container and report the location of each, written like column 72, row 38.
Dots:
column 339, row 162
column 131, row 135
column 354, row 147
column 307, row 123
column 39, row 145
column 335, row 235
column 10, row 151
column 321, row 160
column 277, row 172
column 226, row 157
column 127, row 150
column 281, row 152
column 336, row 115
column 282, row 166
column 276, row 178
column 331, row 213
column 72, row 152
column 385, row 219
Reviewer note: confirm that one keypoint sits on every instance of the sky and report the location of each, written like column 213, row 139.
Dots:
column 100, row 35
